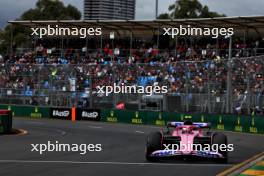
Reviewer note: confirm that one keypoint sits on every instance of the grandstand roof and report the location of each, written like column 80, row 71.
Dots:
column 242, row 23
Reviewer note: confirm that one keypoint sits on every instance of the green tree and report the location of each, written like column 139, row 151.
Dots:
column 51, row 10
column 44, row 10
column 164, row 16
column 190, row 9
column 206, row 13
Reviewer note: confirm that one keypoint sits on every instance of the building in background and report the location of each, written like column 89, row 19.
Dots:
column 109, row 9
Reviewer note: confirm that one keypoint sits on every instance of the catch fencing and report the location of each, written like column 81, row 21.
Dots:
column 204, row 86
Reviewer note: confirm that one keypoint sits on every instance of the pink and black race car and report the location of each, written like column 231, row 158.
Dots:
column 187, row 140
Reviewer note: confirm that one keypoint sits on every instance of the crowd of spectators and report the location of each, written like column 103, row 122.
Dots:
column 187, row 69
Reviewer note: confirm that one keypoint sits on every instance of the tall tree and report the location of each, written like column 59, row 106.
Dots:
column 44, row 10
column 189, row 9
column 51, row 10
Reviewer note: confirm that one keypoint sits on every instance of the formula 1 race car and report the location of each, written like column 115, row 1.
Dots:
column 187, row 140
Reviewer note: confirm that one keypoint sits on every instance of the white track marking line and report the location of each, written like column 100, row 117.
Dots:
column 114, row 163
column 141, row 132
column 96, row 127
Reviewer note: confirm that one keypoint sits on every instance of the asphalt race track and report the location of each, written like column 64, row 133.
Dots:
column 122, row 154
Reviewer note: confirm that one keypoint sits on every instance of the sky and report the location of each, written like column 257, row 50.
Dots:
column 145, row 9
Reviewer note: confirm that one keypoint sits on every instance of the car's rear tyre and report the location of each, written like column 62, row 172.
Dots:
column 219, row 139
column 154, row 142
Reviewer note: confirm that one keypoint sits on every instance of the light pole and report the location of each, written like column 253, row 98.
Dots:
column 229, row 103
column 174, row 14
column 157, row 8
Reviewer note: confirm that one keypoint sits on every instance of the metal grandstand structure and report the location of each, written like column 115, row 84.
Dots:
column 243, row 23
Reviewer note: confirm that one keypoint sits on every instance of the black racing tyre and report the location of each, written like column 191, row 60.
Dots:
column 154, row 142
column 220, row 138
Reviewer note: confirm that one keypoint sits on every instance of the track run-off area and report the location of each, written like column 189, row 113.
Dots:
column 123, row 147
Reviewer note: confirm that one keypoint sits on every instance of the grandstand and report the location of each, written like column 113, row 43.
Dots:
column 224, row 75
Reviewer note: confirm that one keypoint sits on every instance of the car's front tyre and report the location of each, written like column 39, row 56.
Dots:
column 154, row 142
column 220, row 139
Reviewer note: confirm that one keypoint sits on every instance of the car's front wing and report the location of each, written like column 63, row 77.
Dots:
column 170, row 153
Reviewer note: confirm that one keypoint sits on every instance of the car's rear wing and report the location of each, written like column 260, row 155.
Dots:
column 197, row 124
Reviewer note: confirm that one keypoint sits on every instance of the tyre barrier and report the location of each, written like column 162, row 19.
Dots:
column 5, row 121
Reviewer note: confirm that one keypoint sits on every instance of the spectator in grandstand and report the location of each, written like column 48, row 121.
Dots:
column 39, row 50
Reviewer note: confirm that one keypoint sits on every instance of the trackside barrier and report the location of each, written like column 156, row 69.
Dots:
column 28, row 111
column 5, row 121
column 237, row 123
column 58, row 113
column 61, row 113
column 74, row 114
column 88, row 114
